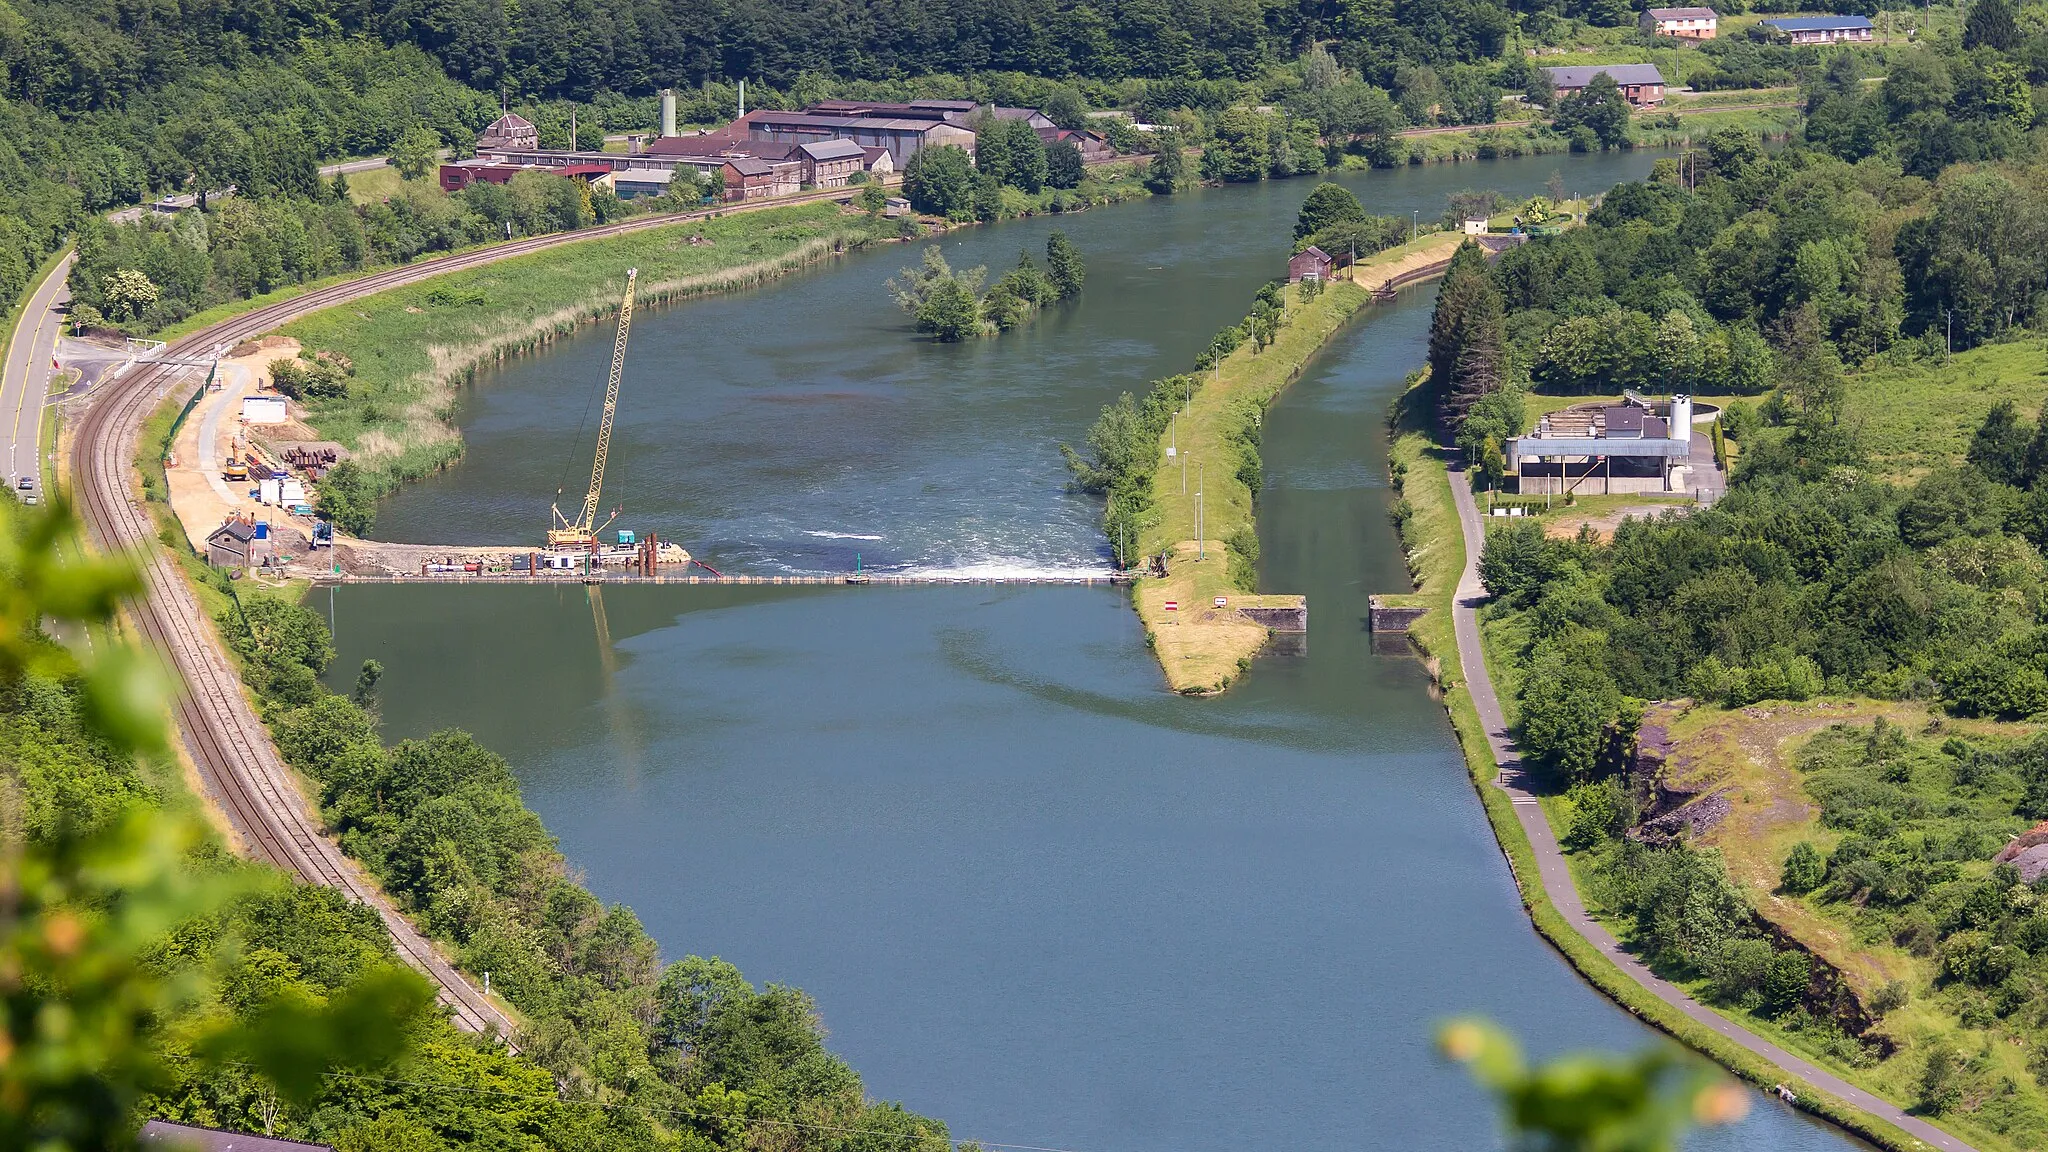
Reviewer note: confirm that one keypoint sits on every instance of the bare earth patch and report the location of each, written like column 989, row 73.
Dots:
column 1751, row 752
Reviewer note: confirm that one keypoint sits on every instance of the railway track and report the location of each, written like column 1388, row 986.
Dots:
column 238, row 764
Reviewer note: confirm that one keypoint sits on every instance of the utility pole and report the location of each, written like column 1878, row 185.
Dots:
column 1414, row 224
column 1201, row 544
column 1950, row 353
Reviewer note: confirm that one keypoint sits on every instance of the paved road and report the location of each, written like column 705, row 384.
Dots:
column 1557, row 878
column 26, row 376
column 363, row 165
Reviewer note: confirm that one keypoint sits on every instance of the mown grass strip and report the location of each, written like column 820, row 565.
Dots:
column 1202, row 648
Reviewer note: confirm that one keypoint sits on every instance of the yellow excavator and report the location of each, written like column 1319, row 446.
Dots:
column 580, row 534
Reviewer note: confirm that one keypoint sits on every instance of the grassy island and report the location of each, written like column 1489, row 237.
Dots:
column 1203, row 648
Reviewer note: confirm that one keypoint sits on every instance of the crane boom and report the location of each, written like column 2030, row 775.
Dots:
column 582, row 531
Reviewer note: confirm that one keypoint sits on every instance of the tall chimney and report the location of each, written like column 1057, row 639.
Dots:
column 668, row 111
column 743, row 97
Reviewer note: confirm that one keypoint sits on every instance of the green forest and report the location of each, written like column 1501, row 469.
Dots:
column 1898, row 231
column 105, row 104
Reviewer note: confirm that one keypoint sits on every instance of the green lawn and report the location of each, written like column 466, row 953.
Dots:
column 1911, row 415
column 374, row 185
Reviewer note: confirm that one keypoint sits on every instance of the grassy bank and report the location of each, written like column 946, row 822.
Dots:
column 1434, row 541
column 1537, row 139
column 411, row 347
column 1200, row 647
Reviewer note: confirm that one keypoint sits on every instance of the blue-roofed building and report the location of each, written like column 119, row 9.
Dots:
column 1822, row 29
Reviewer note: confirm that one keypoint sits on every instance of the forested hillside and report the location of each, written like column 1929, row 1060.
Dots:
column 105, row 103
column 1851, row 902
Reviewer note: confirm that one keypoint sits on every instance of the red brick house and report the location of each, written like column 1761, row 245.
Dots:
column 747, row 178
column 1311, row 263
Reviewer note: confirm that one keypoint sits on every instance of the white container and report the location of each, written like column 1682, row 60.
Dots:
column 263, row 409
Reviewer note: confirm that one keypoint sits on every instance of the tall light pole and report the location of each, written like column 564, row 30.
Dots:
column 1201, row 544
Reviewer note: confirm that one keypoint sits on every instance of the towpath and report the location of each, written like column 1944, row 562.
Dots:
column 1556, row 876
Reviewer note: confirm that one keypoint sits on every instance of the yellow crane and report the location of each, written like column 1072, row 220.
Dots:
column 580, row 534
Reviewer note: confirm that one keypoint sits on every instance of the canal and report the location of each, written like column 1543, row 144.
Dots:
column 1033, row 893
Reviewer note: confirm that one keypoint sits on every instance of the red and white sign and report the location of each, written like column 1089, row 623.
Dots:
column 1173, row 605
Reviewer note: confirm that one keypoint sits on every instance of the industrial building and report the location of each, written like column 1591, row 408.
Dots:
column 761, row 153
column 901, row 136
column 1635, row 446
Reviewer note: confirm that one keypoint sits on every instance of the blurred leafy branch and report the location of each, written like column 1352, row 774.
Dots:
column 93, row 991
column 1594, row 1102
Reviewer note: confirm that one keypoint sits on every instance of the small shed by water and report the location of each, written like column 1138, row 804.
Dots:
column 1311, row 263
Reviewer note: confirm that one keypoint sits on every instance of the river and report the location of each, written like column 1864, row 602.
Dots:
column 1033, row 893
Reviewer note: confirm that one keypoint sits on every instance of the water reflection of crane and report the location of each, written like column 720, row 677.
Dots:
column 624, row 731
column 580, row 534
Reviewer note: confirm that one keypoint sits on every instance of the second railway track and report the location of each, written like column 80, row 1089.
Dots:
column 239, row 766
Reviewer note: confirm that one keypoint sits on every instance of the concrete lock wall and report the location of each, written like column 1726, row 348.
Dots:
column 1294, row 619
column 1389, row 618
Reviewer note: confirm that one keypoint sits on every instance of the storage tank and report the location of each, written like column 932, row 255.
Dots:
column 1681, row 418
column 668, row 111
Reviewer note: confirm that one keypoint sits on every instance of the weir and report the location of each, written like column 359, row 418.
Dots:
column 602, row 576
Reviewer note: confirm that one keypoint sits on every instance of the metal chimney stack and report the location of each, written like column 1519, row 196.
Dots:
column 668, row 111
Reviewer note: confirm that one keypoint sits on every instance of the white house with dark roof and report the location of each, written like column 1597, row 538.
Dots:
column 1683, row 23
column 1642, row 84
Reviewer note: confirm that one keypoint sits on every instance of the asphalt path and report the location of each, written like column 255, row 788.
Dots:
column 1556, row 876
column 26, row 377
